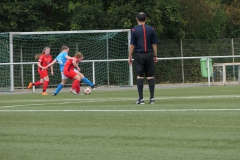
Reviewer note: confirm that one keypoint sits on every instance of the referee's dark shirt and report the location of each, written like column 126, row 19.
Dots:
column 142, row 37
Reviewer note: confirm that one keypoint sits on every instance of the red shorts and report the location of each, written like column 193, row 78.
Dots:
column 42, row 73
column 69, row 73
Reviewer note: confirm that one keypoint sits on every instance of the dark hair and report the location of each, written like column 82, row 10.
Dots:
column 141, row 16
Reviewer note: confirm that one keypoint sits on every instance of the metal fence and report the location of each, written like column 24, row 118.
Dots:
column 179, row 62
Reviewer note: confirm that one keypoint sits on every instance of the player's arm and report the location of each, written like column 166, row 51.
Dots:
column 68, row 57
column 75, row 64
column 39, row 65
column 51, row 67
column 40, row 62
column 154, row 46
column 50, row 64
column 131, row 49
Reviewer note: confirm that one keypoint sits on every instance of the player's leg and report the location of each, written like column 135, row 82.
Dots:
column 76, row 84
column 151, row 85
column 150, row 72
column 60, row 85
column 139, row 69
column 45, row 85
column 42, row 73
column 87, row 81
column 76, row 80
column 140, row 90
column 38, row 83
column 45, row 80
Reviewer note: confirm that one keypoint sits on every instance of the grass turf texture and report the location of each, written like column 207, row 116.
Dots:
column 185, row 123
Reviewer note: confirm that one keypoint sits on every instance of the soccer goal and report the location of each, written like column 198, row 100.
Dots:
column 226, row 73
column 105, row 56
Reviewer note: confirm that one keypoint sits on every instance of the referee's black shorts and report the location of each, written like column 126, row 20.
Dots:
column 144, row 64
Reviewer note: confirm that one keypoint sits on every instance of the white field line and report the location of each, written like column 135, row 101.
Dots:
column 120, row 99
column 154, row 110
column 55, row 102
column 79, row 100
column 45, row 104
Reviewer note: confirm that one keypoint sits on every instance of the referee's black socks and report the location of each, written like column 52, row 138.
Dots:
column 151, row 84
column 140, row 88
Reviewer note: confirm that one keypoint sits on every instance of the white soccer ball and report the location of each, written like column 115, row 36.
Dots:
column 87, row 90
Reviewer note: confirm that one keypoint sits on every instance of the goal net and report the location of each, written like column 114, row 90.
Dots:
column 226, row 73
column 99, row 47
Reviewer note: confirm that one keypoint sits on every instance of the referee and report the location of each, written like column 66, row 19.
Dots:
column 144, row 45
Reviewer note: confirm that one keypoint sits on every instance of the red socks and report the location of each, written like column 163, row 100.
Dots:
column 76, row 86
column 38, row 83
column 45, row 85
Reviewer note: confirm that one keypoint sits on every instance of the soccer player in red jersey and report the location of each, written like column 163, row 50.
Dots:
column 69, row 72
column 43, row 60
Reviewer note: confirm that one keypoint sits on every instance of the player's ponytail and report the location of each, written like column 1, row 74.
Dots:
column 37, row 56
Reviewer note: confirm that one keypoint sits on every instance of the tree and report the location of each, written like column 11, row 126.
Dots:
column 172, row 21
column 233, row 22
column 204, row 19
column 114, row 14
column 88, row 16
column 21, row 15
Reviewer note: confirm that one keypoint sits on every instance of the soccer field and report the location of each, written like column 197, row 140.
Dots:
column 190, row 123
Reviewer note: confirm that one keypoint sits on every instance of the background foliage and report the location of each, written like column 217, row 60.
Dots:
column 203, row 25
column 172, row 19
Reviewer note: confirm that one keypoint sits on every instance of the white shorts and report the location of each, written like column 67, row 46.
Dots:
column 64, row 77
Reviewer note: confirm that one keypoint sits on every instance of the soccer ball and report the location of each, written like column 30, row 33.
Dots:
column 87, row 90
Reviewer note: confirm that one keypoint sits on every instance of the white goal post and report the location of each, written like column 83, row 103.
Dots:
column 104, row 52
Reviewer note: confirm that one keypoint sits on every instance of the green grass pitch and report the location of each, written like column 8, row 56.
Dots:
column 191, row 123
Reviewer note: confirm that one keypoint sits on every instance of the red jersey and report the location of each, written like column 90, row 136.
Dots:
column 69, row 65
column 45, row 60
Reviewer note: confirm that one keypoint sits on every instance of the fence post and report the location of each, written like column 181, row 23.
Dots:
column 11, row 61
column 208, row 67
column 33, row 77
column 232, row 47
column 131, row 75
column 182, row 60
column 21, row 60
column 93, row 72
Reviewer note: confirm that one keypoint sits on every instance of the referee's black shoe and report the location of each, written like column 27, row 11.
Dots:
column 140, row 101
column 152, row 101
